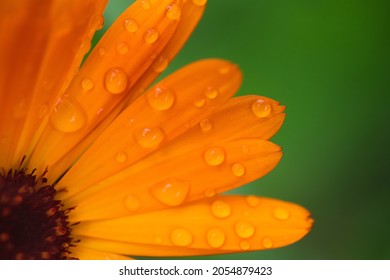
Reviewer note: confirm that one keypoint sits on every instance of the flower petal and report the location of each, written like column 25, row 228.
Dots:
column 223, row 224
column 83, row 253
column 57, row 34
column 111, row 70
column 166, row 111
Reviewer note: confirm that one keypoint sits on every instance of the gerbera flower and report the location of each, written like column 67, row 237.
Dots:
column 96, row 163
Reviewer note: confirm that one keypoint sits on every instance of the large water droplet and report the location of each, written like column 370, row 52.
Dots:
column 206, row 125
column 160, row 64
column 87, row 84
column 173, row 12
column 121, row 157
column 172, row 193
column 238, row 169
column 252, row 201
column 116, row 80
column 131, row 25
column 281, row 213
column 244, row 229
column 261, row 108
column 181, row 237
column 199, row 102
column 267, row 243
column 214, row 156
column 151, row 35
column 68, row 115
column 145, row 4
column 122, row 48
column 216, row 237
column 149, row 137
column 199, row 2
column 221, row 209
column 160, row 98
column 132, row 203
column 211, row 93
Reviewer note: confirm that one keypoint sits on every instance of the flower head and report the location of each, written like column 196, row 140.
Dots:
column 97, row 163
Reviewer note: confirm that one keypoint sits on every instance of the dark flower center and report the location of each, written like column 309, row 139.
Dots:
column 33, row 225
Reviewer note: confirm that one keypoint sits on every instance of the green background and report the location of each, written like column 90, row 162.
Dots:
column 328, row 62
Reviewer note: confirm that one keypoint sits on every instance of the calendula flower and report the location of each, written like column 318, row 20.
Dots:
column 97, row 164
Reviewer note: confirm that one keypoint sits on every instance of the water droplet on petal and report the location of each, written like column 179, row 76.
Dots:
column 216, row 237
column 261, row 108
column 224, row 70
column 151, row 35
column 267, row 243
column 181, row 237
column 131, row 25
column 199, row 102
column 160, row 64
column 206, row 125
column 102, row 51
column 173, row 12
column 87, row 84
column 99, row 21
column 244, row 229
column 238, row 169
column 199, row 2
column 221, row 209
column 132, row 203
column 209, row 193
column 211, row 93
column 145, row 4
column 116, row 80
column 172, row 193
column 214, row 156
column 149, row 137
column 245, row 245
column 122, row 48
column 281, row 213
column 121, row 157
column 68, row 115
column 252, row 200
column 160, row 98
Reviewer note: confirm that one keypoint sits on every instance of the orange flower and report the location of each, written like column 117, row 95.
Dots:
column 96, row 166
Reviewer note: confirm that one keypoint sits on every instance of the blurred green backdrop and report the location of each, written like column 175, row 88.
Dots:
column 328, row 62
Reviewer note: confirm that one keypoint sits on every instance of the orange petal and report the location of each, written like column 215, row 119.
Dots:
column 57, row 34
column 174, row 176
column 167, row 110
column 111, row 70
column 222, row 224
column 82, row 253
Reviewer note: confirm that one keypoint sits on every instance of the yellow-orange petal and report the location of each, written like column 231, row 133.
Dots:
column 57, row 34
column 223, row 224
column 176, row 175
column 111, row 70
column 82, row 253
column 164, row 112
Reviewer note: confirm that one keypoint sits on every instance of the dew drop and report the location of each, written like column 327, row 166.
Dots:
column 160, row 98
column 172, row 193
column 151, row 35
column 131, row 25
column 87, row 84
column 160, row 64
column 224, row 70
column 199, row 102
column 261, row 108
column 206, row 125
column 244, row 229
column 173, row 12
column 214, row 156
column 181, row 237
column 132, row 203
column 149, row 137
column 252, row 201
column 211, row 93
column 99, row 21
column 68, row 115
column 145, row 4
column 102, row 51
column 244, row 245
column 221, row 209
column 267, row 243
column 122, row 48
column 199, row 2
column 238, row 169
column 116, row 80
column 281, row 213
column 209, row 193
column 216, row 237
column 121, row 157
